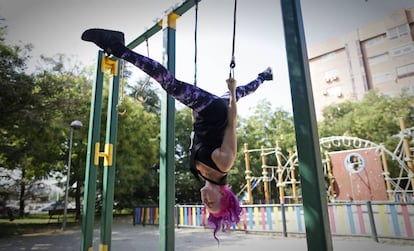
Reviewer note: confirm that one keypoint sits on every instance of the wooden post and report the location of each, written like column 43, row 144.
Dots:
column 248, row 173
column 293, row 179
column 265, row 176
column 331, row 178
column 280, row 183
column 387, row 177
column 408, row 154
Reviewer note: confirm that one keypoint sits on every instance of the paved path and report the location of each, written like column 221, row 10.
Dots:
column 126, row 237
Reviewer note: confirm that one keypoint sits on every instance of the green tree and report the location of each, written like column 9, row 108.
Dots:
column 137, row 156
column 65, row 93
column 263, row 128
column 39, row 107
column 374, row 118
column 187, row 186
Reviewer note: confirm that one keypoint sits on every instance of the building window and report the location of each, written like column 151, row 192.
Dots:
column 333, row 91
column 328, row 56
column 382, row 77
column 378, row 59
column 402, row 50
column 374, row 41
column 398, row 31
column 405, row 71
column 331, row 76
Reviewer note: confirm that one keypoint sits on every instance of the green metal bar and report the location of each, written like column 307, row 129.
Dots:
column 179, row 10
column 109, row 170
column 146, row 35
column 167, row 168
column 90, row 172
column 184, row 7
column 318, row 232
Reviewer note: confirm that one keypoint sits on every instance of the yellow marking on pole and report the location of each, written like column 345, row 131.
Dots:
column 110, row 64
column 170, row 21
column 107, row 154
column 103, row 247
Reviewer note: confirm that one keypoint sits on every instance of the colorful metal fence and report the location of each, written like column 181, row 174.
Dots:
column 384, row 220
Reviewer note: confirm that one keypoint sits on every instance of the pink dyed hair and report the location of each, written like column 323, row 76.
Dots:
column 229, row 214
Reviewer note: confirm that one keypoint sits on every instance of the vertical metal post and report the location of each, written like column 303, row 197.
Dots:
column 374, row 234
column 284, row 225
column 318, row 233
column 109, row 168
column 167, row 168
column 88, row 211
column 65, row 206
column 76, row 124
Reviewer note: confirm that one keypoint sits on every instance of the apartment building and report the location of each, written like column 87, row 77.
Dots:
column 377, row 56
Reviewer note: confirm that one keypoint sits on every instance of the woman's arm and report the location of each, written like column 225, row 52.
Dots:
column 225, row 155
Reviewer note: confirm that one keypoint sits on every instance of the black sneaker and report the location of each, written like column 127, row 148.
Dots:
column 112, row 42
column 267, row 74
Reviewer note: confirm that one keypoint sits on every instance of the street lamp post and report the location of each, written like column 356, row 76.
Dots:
column 76, row 124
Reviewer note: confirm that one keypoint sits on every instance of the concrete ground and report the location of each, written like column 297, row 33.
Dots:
column 128, row 237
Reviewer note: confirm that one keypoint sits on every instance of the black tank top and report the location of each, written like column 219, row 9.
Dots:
column 209, row 126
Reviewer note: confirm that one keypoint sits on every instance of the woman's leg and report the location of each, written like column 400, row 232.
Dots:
column 190, row 95
column 112, row 42
column 244, row 90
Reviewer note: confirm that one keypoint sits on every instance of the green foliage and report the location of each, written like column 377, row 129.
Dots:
column 144, row 92
column 263, row 128
column 374, row 118
column 39, row 110
column 137, row 156
column 187, row 187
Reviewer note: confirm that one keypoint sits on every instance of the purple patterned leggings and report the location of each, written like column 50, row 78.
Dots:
column 190, row 95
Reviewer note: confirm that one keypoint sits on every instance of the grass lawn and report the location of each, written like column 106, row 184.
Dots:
column 40, row 223
column 36, row 223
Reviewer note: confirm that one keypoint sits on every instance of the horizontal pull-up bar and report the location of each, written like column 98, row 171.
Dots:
column 178, row 10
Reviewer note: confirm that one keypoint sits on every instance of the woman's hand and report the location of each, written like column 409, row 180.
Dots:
column 231, row 84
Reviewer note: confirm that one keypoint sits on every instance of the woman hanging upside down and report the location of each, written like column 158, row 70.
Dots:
column 214, row 143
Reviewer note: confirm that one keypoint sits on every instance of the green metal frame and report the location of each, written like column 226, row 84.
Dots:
column 91, row 168
column 167, row 179
column 314, row 195
column 167, row 166
column 94, row 153
column 310, row 163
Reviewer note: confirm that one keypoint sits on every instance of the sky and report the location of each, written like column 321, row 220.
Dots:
column 55, row 26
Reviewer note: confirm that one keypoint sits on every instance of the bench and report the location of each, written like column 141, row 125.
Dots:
column 59, row 212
